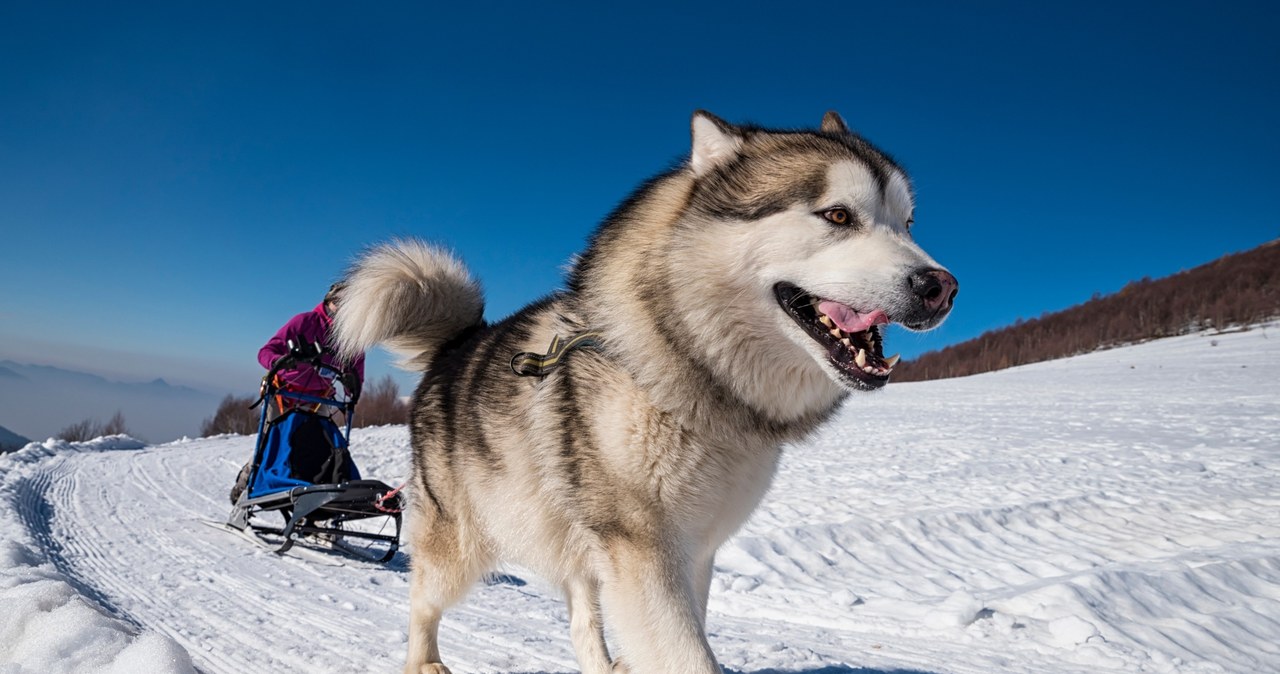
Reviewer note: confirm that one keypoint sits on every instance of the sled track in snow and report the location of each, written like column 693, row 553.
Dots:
column 87, row 511
column 36, row 512
column 1105, row 558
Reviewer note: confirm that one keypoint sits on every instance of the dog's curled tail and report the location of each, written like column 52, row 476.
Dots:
column 408, row 296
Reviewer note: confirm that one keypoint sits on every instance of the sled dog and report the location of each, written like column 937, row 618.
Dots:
column 733, row 302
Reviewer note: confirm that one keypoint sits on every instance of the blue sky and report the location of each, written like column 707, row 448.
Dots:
column 176, row 180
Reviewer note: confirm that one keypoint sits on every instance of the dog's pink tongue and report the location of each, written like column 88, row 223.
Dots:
column 850, row 320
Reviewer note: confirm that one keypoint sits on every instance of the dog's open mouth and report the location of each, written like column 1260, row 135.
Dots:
column 852, row 338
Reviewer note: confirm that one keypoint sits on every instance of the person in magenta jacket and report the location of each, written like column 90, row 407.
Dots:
column 305, row 329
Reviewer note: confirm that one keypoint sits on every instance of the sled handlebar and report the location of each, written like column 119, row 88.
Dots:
column 311, row 354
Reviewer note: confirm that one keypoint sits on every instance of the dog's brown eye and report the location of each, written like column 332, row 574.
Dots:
column 838, row 216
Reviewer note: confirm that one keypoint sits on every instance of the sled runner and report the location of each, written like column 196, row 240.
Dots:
column 302, row 469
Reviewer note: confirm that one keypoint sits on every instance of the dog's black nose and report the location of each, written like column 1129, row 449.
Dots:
column 937, row 288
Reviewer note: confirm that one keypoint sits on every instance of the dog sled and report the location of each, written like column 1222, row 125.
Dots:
column 303, row 473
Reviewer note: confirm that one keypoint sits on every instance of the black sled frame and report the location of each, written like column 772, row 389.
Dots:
column 319, row 512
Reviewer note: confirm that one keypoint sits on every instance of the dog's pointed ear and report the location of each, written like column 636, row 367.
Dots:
column 715, row 142
column 833, row 123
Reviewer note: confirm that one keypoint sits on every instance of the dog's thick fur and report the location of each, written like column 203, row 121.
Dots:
column 619, row 474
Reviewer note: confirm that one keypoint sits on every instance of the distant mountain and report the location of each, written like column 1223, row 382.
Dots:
column 6, row 373
column 49, row 374
column 1234, row 290
column 40, row 401
column 10, row 441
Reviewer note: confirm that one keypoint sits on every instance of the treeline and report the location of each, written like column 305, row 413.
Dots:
column 88, row 429
column 1233, row 290
column 379, row 404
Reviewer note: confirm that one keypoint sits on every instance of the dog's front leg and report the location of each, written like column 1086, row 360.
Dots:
column 651, row 602
column 585, row 626
column 443, row 568
column 424, row 630
column 702, row 572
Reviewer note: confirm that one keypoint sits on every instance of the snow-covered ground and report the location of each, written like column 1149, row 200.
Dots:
column 1118, row 511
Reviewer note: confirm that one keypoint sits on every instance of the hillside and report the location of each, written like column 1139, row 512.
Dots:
column 10, row 441
column 1234, row 290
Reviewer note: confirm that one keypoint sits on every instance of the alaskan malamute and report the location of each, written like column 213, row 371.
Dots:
column 727, row 307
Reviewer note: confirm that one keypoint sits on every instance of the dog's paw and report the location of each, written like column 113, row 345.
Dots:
column 429, row 668
column 620, row 667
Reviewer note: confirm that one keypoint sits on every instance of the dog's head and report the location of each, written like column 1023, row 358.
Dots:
column 809, row 236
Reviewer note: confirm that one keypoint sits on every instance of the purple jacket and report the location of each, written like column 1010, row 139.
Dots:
column 306, row 328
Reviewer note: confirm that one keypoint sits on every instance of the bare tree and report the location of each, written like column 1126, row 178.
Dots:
column 115, row 426
column 233, row 416
column 380, row 404
column 89, row 429
column 80, row 431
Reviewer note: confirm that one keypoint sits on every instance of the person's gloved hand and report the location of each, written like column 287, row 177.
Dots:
column 305, row 351
column 351, row 383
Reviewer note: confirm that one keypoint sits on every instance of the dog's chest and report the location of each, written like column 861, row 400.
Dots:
column 709, row 482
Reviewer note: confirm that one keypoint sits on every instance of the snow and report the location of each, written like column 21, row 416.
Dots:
column 1117, row 511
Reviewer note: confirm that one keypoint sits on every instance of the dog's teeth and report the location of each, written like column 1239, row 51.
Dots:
column 861, row 359
column 835, row 332
column 869, row 370
column 892, row 360
column 826, row 320
column 846, row 342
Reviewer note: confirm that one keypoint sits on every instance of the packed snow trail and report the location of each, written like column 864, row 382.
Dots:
column 1118, row 511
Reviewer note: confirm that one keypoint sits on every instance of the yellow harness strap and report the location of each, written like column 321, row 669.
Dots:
column 526, row 364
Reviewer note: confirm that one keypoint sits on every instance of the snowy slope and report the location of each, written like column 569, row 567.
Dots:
column 1118, row 511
